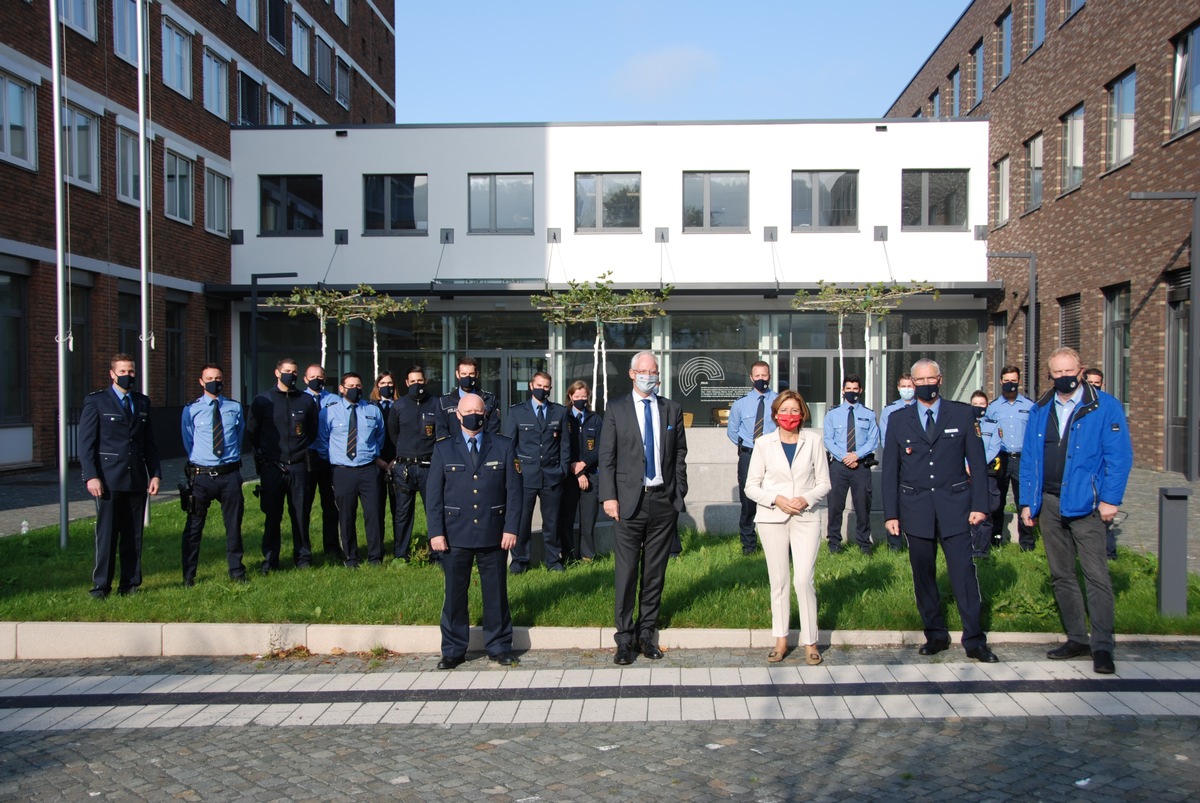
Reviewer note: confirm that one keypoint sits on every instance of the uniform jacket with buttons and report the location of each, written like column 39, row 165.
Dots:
column 585, row 440
column 544, row 449
column 473, row 508
column 447, row 421
column 282, row 424
column 120, row 452
column 412, row 427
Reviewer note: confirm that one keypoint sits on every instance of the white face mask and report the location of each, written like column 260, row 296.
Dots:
column 646, row 383
column 907, row 393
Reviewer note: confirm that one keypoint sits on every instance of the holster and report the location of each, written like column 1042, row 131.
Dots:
column 187, row 501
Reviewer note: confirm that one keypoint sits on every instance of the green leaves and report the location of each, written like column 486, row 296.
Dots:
column 600, row 302
column 879, row 298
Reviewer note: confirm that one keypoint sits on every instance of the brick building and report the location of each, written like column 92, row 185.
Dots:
column 212, row 64
column 1088, row 102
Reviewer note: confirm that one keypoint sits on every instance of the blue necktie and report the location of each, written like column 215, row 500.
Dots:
column 127, row 406
column 473, row 445
column 651, row 473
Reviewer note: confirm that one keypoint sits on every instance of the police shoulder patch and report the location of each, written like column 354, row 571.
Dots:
column 517, row 464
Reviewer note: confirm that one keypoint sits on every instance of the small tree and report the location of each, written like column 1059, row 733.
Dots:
column 365, row 303
column 322, row 302
column 599, row 303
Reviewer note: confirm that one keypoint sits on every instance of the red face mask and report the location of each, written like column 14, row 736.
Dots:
column 789, row 421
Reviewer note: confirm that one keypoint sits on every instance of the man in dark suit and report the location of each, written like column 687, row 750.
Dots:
column 120, row 466
column 580, row 498
column 466, row 374
column 929, row 494
column 473, row 509
column 539, row 431
column 643, row 481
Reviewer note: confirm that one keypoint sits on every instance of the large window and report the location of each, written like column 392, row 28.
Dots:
column 956, row 93
column 1071, row 6
column 18, row 129
column 342, row 9
column 276, row 111
column 824, row 201
column 249, row 100
column 276, row 22
column 1072, row 148
column 216, row 84
column 216, row 203
column 1002, row 188
column 177, row 58
column 81, row 147
column 608, row 201
column 301, row 34
column 248, row 11
column 80, row 15
column 1033, row 183
column 396, row 204
column 935, row 105
column 1121, row 101
column 178, row 173
column 129, row 323
column 176, row 381
column 1037, row 24
column 129, row 177
column 291, row 205
column 1069, row 322
column 343, row 83
column 501, row 203
column 716, row 201
column 956, row 341
column 125, row 30
column 934, row 200
column 324, row 64
column 14, row 375
column 1185, row 104
column 1004, row 45
column 978, row 66
column 1116, row 341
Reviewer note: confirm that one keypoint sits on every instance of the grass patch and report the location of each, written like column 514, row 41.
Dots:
column 711, row 585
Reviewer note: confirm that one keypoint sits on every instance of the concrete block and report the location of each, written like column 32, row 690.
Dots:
column 871, row 638
column 364, row 638
column 1030, row 638
column 8, row 641
column 557, row 638
column 698, row 638
column 196, row 638
column 88, row 639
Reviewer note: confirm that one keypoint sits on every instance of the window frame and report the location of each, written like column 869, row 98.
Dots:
column 492, row 226
column 120, row 21
column 1036, row 13
column 318, row 52
column 955, row 79
column 706, row 210
column 1117, row 325
column 211, row 57
column 388, row 230
column 1185, row 102
column 181, row 36
column 600, row 203
column 1003, row 185
column 925, row 177
column 173, row 197
column 935, row 104
column 276, row 105
column 1117, row 89
column 279, row 43
column 18, row 352
column 31, row 128
column 70, row 165
column 1004, row 43
column 814, row 182
column 342, row 87
column 1072, row 132
column 85, row 27
column 301, row 44
column 242, row 120
column 247, row 12
column 211, row 193
column 979, row 71
column 127, row 135
column 342, row 9
column 284, row 231
column 1035, row 176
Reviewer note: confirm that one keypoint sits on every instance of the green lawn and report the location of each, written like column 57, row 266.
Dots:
column 710, row 585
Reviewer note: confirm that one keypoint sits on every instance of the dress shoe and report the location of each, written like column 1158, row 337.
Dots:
column 504, row 659
column 1102, row 662
column 933, row 647
column 98, row 593
column 835, row 549
column 1072, row 649
column 516, row 568
column 624, row 656
column 449, row 662
column 127, row 592
column 749, row 550
column 557, row 567
column 866, row 550
column 983, row 655
column 239, row 578
column 189, row 582
column 652, row 651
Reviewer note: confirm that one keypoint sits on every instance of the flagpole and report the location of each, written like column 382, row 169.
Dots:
column 60, row 276
column 143, row 200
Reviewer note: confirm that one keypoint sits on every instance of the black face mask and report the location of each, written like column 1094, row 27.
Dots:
column 353, row 395
column 288, row 380
column 416, row 390
column 851, row 397
column 466, row 383
column 579, row 404
column 387, row 391
column 761, row 385
column 472, row 422
column 539, row 393
column 928, row 392
column 316, row 385
column 1066, row 384
column 125, row 382
column 1008, row 387
column 979, row 411
column 214, row 388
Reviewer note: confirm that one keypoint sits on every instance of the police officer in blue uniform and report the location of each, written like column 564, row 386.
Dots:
column 851, row 454
column 540, row 434
column 212, row 428
column 906, row 390
column 750, row 419
column 120, row 467
column 352, row 433
column 989, row 432
column 281, row 428
column 473, row 509
column 320, row 474
column 930, row 460
column 1010, row 410
column 581, row 501
column 411, row 428
column 467, row 377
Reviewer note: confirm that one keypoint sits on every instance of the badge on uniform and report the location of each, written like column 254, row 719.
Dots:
column 428, row 430
column 591, row 444
column 1000, row 431
column 908, row 450
column 978, row 431
column 517, row 463
column 300, row 429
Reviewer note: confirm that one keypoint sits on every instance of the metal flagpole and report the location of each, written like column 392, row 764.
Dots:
column 60, row 276
column 143, row 193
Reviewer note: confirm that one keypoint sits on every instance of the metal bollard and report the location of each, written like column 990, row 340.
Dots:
column 1172, row 550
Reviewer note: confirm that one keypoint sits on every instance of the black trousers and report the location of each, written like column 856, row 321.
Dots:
column 386, row 496
column 642, row 547
column 279, row 485
column 119, row 521
column 1010, row 476
column 856, row 481
column 350, row 484
column 549, row 499
column 320, row 480
column 226, row 490
column 407, row 482
column 964, row 584
column 493, row 584
column 749, row 506
column 981, row 533
column 584, row 507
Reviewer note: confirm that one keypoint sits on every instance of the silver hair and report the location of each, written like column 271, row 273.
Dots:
column 921, row 363
column 633, row 362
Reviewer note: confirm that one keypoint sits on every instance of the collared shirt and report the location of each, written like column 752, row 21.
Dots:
column 535, row 404
column 922, row 410
column 640, row 408
column 1065, row 409
column 743, row 414
column 323, row 399
column 197, row 427
column 866, row 430
column 478, row 436
column 335, row 429
column 121, row 394
column 989, row 432
column 1012, row 418
column 898, row 404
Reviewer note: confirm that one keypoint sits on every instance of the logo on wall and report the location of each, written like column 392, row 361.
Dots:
column 690, row 373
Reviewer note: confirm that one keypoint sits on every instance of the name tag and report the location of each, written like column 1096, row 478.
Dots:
column 491, row 463
column 952, row 431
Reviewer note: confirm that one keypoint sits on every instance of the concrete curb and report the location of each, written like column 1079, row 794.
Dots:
column 84, row 640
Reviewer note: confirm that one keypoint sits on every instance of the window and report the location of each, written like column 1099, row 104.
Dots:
column 324, row 64
column 249, row 100
column 1121, row 101
column 300, row 44
column 80, row 15
column 1068, row 322
column 177, row 59
column 343, row 83
column 977, row 62
column 81, row 146
column 291, row 205
column 956, row 93
column 1002, row 187
column 825, row 201
column 276, row 111
column 920, row 112
column 396, row 204
column 18, row 116
column 216, row 84
column 1071, row 6
column 342, row 9
column 125, row 30
column 1116, row 341
column 500, row 203
column 608, row 201
column 1037, row 24
column 1033, row 158
column 178, row 171
column 248, row 11
column 299, row 119
column 716, row 201
column 1072, row 149
column 13, row 341
column 1185, row 105
column 276, row 22
column 1004, row 44
column 129, row 323
column 935, row 104
column 999, row 345
column 216, row 203
column 129, row 177
column 933, row 200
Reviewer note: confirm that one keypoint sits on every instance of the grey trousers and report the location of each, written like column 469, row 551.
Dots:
column 1066, row 539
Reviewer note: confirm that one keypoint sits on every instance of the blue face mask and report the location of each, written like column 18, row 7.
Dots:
column 907, row 394
column 646, row 383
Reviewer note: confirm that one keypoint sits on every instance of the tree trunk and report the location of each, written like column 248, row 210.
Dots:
column 596, row 361
column 841, row 354
column 324, row 332
column 375, row 345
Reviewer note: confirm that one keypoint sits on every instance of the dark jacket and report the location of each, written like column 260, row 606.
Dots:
column 447, row 421
column 585, row 440
column 544, row 448
column 473, row 508
column 623, row 459
column 122, row 453
column 282, row 424
column 412, row 427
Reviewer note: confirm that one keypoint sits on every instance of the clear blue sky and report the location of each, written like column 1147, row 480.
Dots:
column 621, row 60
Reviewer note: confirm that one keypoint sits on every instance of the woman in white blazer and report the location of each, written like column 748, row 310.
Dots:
column 789, row 479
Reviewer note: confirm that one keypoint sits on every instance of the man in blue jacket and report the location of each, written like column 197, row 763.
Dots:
column 1076, row 460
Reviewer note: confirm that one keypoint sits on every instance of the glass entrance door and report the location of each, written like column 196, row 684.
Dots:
column 818, row 378
column 508, row 375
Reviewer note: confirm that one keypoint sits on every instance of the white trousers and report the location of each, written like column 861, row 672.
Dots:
column 802, row 536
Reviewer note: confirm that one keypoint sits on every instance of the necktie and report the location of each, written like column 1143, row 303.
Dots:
column 541, row 415
column 473, row 447
column 851, row 435
column 218, row 428
column 651, row 472
column 929, row 420
column 127, row 406
column 352, row 434
column 758, row 417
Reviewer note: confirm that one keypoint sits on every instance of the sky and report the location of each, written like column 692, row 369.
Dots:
column 632, row 60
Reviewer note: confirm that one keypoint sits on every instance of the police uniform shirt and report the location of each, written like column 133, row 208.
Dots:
column 1011, row 417
column 743, row 414
column 323, row 399
column 866, row 431
column 989, row 431
column 335, row 429
column 197, row 428
column 898, row 404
